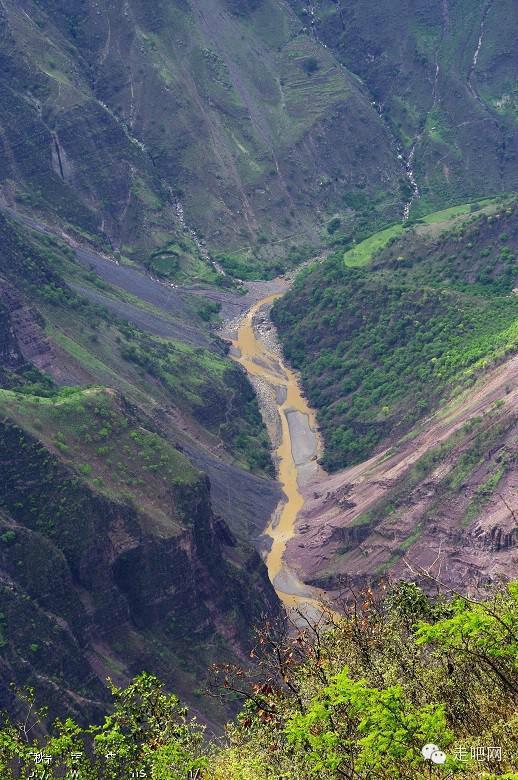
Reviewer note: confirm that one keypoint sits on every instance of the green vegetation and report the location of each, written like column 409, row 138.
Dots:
column 180, row 261
column 442, row 216
column 379, row 347
column 245, row 265
column 211, row 387
column 483, row 434
column 101, row 503
column 212, row 151
column 362, row 253
column 267, row 139
column 203, row 383
column 424, row 92
column 98, row 493
column 358, row 696
column 249, row 265
column 333, row 225
column 28, row 380
column 106, row 444
column 449, row 214
column 310, row 65
column 148, row 730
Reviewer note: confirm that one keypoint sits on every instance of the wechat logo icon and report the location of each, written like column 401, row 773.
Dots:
column 433, row 753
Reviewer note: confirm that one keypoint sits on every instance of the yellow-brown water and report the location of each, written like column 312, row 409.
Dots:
column 260, row 361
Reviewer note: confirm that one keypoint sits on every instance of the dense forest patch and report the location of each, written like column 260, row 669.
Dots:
column 378, row 347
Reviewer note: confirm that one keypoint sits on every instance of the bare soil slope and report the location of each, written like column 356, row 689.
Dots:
column 445, row 497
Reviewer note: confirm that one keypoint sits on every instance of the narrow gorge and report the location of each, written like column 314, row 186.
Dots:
column 292, row 427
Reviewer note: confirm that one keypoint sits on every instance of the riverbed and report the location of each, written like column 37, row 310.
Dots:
column 295, row 440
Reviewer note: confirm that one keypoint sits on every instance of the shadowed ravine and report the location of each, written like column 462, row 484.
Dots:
column 295, row 445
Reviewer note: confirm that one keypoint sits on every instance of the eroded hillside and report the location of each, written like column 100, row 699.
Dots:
column 113, row 557
column 442, row 500
column 407, row 347
column 131, row 121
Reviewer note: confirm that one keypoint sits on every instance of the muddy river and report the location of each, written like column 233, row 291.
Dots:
column 294, row 437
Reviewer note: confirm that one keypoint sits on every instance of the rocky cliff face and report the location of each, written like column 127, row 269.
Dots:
column 23, row 339
column 90, row 587
column 10, row 355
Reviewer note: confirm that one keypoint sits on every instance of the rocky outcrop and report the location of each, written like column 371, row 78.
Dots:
column 496, row 539
column 10, row 355
column 349, row 537
column 22, row 335
column 80, row 572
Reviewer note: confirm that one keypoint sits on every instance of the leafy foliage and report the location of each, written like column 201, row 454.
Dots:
column 380, row 346
column 147, row 734
column 361, row 698
column 387, row 726
column 355, row 696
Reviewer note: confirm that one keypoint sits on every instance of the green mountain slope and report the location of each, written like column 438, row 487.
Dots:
column 258, row 131
column 443, row 76
column 126, row 120
column 180, row 145
column 382, row 344
column 84, row 342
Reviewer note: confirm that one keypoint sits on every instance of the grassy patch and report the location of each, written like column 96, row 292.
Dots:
column 107, row 446
column 362, row 253
column 456, row 211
